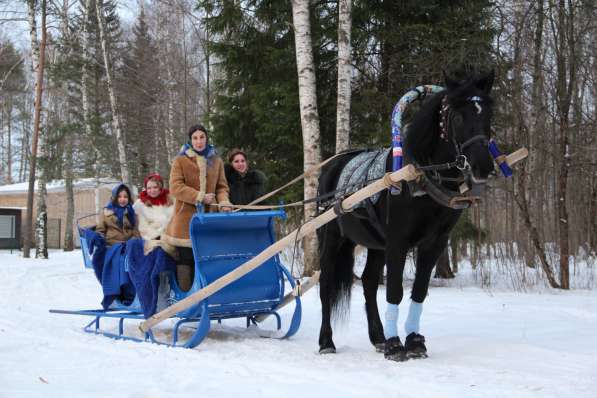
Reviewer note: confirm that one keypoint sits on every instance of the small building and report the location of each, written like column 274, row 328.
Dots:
column 90, row 195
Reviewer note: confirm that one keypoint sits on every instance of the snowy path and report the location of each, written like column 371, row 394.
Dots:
column 482, row 344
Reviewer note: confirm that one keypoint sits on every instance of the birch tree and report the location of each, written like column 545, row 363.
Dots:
column 116, row 124
column 38, row 58
column 344, row 76
column 309, row 119
column 67, row 90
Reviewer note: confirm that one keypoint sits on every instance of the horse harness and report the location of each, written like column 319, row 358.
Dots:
column 431, row 180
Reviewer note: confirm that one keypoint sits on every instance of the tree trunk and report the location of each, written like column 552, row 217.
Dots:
column 344, row 76
column 24, row 153
column 68, row 150
column 116, row 125
column 9, row 147
column 70, row 196
column 169, row 133
column 38, row 63
column 454, row 250
column 593, row 202
column 41, row 223
column 207, row 53
column 309, row 120
column 185, row 68
column 85, row 71
column 2, row 145
column 526, row 218
column 566, row 82
column 593, row 231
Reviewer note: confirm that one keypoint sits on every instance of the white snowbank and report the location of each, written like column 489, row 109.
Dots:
column 57, row 185
column 481, row 344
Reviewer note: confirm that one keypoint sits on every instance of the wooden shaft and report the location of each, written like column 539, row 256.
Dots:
column 289, row 298
column 406, row 173
column 517, row 156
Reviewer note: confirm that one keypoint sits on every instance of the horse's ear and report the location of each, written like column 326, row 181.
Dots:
column 449, row 83
column 484, row 83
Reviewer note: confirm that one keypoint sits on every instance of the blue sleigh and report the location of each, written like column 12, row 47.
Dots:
column 221, row 243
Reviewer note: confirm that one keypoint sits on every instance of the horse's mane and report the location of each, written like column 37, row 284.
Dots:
column 424, row 131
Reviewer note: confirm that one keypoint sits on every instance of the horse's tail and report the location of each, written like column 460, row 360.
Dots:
column 336, row 272
column 336, row 252
column 344, row 278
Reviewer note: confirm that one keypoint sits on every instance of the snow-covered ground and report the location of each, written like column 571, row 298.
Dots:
column 482, row 343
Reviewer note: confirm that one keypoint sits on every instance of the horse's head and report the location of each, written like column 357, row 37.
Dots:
column 453, row 127
column 465, row 120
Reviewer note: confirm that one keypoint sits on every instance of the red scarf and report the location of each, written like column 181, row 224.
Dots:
column 161, row 200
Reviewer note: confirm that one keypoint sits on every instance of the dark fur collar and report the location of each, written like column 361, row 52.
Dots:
column 251, row 177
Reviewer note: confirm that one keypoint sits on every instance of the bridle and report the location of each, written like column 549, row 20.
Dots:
column 469, row 186
column 448, row 135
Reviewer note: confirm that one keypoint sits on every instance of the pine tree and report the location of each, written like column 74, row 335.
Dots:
column 141, row 86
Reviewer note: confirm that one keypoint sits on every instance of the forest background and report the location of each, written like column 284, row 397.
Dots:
column 119, row 94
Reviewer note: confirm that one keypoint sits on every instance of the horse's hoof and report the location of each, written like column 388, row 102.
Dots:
column 415, row 346
column 380, row 347
column 394, row 350
column 327, row 350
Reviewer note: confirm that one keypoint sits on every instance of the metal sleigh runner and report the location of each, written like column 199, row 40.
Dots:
column 238, row 273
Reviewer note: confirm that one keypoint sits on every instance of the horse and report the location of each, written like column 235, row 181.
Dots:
column 448, row 141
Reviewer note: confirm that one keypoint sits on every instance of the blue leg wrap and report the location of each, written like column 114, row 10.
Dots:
column 414, row 317
column 391, row 327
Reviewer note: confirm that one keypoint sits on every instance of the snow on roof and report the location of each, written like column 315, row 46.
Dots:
column 58, row 185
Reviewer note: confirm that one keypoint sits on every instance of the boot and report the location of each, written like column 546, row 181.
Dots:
column 184, row 276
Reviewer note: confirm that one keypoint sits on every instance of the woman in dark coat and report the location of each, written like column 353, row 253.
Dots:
column 245, row 185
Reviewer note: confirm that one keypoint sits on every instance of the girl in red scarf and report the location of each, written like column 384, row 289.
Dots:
column 154, row 208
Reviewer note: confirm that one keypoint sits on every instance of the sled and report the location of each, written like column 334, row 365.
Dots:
column 221, row 243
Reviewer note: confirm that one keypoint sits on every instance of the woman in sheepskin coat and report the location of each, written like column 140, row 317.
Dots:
column 245, row 185
column 197, row 176
column 118, row 221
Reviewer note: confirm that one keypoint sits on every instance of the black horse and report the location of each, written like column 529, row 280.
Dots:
column 448, row 139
